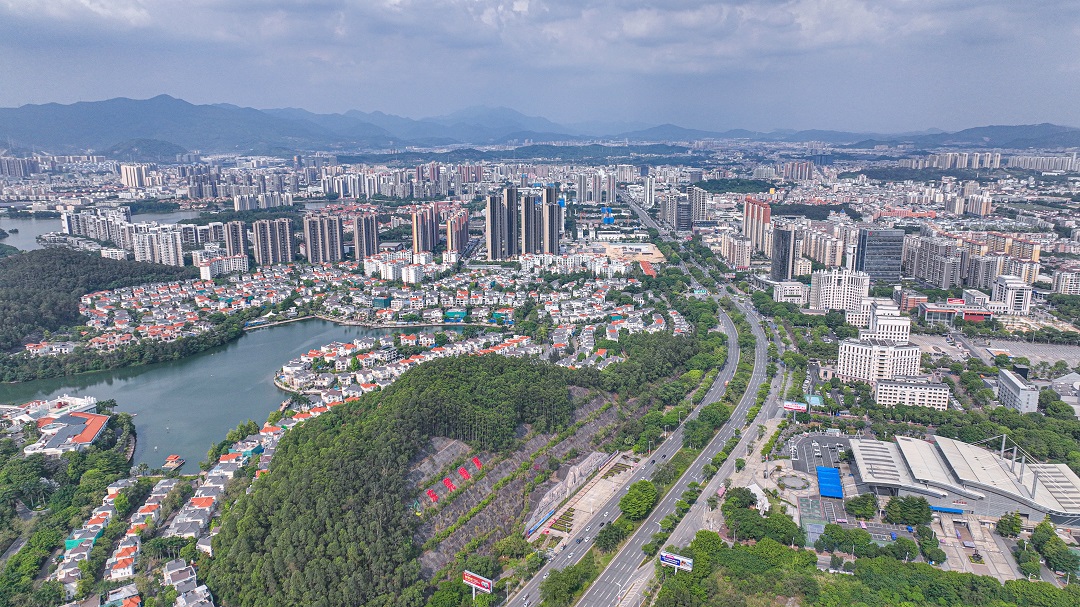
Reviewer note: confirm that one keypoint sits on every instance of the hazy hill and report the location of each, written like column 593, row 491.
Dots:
column 472, row 125
column 671, row 132
column 158, row 128
column 1006, row 136
column 339, row 124
column 100, row 124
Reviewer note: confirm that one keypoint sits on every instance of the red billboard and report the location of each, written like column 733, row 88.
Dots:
column 479, row 582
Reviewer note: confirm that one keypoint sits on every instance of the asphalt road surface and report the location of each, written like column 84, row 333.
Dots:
column 643, row 217
column 629, row 559
column 607, row 588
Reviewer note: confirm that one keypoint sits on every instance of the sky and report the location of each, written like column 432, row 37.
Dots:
column 857, row 65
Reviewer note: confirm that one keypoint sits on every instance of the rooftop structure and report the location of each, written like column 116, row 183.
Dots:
column 69, row 432
column 954, row 475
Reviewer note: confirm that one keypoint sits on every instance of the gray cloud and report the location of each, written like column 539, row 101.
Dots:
column 846, row 64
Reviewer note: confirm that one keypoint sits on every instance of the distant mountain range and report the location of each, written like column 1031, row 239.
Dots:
column 157, row 128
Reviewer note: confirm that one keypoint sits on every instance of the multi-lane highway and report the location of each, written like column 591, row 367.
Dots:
column 694, row 519
column 576, row 545
column 608, row 588
column 645, row 218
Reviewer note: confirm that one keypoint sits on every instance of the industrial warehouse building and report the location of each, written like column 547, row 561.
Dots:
column 961, row 478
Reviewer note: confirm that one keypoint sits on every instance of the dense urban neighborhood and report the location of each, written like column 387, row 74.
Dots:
column 725, row 368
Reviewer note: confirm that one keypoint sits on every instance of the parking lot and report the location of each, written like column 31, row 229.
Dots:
column 815, row 513
column 937, row 345
column 1038, row 352
column 809, row 452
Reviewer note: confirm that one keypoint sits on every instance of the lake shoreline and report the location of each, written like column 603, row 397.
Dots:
column 248, row 329
column 183, row 406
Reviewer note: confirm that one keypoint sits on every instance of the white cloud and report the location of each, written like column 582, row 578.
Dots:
column 125, row 12
column 682, row 56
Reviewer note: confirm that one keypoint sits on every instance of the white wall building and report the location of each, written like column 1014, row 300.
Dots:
column 218, row 266
column 1014, row 293
column 1067, row 283
column 791, row 291
column 118, row 254
column 860, row 315
column 913, row 392
column 412, row 274
column 871, row 360
column 838, row 289
column 886, row 322
column 1017, row 393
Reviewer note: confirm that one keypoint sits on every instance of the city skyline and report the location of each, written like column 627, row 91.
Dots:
column 852, row 65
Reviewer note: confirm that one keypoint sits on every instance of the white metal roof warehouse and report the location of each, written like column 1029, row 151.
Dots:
column 954, row 475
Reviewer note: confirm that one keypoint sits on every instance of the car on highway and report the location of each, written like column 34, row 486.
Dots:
column 577, row 541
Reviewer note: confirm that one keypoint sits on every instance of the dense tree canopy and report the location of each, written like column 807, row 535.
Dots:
column 639, row 500
column 40, row 290
column 863, row 506
column 330, row 524
column 768, row 571
column 70, row 486
column 908, row 510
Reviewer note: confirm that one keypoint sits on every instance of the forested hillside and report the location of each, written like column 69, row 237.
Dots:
column 40, row 290
column 330, row 524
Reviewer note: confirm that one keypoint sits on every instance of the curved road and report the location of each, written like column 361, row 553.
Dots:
column 608, row 588
column 573, row 551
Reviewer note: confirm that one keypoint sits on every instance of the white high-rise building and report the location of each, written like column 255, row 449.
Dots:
column 871, row 360
column 1014, row 293
column 649, row 198
column 164, row 246
column 838, row 289
column 134, row 175
column 170, row 248
column 913, row 392
column 886, row 322
column 1017, row 393
column 1067, row 283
